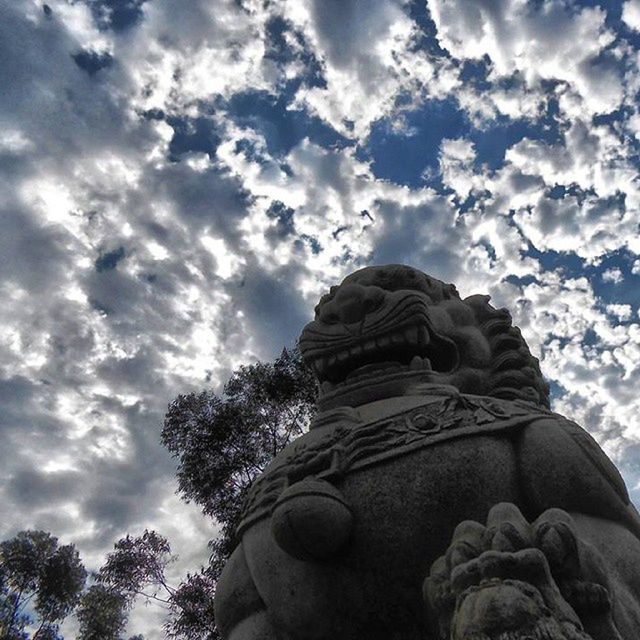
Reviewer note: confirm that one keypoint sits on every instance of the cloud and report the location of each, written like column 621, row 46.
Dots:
column 631, row 14
column 545, row 41
column 179, row 182
column 369, row 60
column 612, row 275
column 621, row 311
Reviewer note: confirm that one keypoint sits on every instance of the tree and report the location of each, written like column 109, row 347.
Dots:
column 192, row 608
column 223, row 442
column 12, row 623
column 137, row 566
column 36, row 572
column 102, row 613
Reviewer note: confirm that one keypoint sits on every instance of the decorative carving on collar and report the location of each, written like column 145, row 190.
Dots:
column 349, row 445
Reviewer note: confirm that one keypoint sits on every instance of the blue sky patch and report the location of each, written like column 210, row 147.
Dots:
column 602, row 276
column 410, row 156
column 419, row 11
column 404, row 158
column 282, row 128
column 118, row 15
column 109, row 260
column 281, row 51
column 92, row 61
column 192, row 135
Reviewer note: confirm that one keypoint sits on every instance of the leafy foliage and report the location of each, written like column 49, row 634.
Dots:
column 12, row 621
column 36, row 571
column 102, row 613
column 223, row 442
column 192, row 608
column 62, row 580
column 137, row 564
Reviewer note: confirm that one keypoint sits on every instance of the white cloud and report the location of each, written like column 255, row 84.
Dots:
column 612, row 275
column 631, row 14
column 621, row 311
column 367, row 59
column 550, row 42
column 456, row 165
column 207, row 51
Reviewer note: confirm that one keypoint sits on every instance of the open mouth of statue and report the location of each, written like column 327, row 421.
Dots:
column 412, row 349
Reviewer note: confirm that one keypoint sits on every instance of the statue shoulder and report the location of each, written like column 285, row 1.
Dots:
column 562, row 466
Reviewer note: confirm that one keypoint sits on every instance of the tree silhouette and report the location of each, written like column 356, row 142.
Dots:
column 102, row 613
column 222, row 442
column 40, row 583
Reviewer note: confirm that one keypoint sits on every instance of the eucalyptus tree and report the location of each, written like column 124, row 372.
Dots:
column 40, row 584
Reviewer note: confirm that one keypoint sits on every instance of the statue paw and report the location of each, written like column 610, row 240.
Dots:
column 576, row 567
column 513, row 579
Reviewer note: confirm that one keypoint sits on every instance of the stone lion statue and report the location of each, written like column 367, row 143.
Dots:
column 435, row 496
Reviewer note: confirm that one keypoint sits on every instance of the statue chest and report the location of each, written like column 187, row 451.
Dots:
column 349, row 518
column 347, row 444
column 404, row 511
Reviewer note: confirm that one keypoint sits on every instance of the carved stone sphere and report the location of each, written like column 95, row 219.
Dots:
column 311, row 520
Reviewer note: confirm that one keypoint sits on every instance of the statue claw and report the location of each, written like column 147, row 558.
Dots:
column 513, row 579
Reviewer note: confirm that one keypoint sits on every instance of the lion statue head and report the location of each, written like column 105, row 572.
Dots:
column 386, row 329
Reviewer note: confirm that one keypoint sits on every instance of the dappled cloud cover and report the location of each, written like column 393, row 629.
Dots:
column 179, row 181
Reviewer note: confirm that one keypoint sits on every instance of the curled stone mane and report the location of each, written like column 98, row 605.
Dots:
column 514, row 373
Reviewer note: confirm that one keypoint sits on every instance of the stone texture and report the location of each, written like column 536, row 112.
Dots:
column 435, row 496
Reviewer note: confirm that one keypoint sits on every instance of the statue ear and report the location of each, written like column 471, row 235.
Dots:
column 477, row 299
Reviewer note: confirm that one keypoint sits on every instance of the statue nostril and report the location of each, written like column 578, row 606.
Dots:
column 354, row 302
column 374, row 299
column 352, row 310
column 328, row 314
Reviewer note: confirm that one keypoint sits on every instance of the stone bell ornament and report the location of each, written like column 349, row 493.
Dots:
column 435, row 496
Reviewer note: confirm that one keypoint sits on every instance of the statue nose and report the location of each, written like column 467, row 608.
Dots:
column 353, row 302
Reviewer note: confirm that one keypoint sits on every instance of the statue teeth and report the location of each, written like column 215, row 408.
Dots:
column 423, row 335
column 369, row 345
column 331, row 360
column 356, row 350
column 416, row 363
column 411, row 334
column 426, row 364
column 397, row 338
column 383, row 341
column 343, row 355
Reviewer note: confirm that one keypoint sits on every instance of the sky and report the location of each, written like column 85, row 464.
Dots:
column 180, row 181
